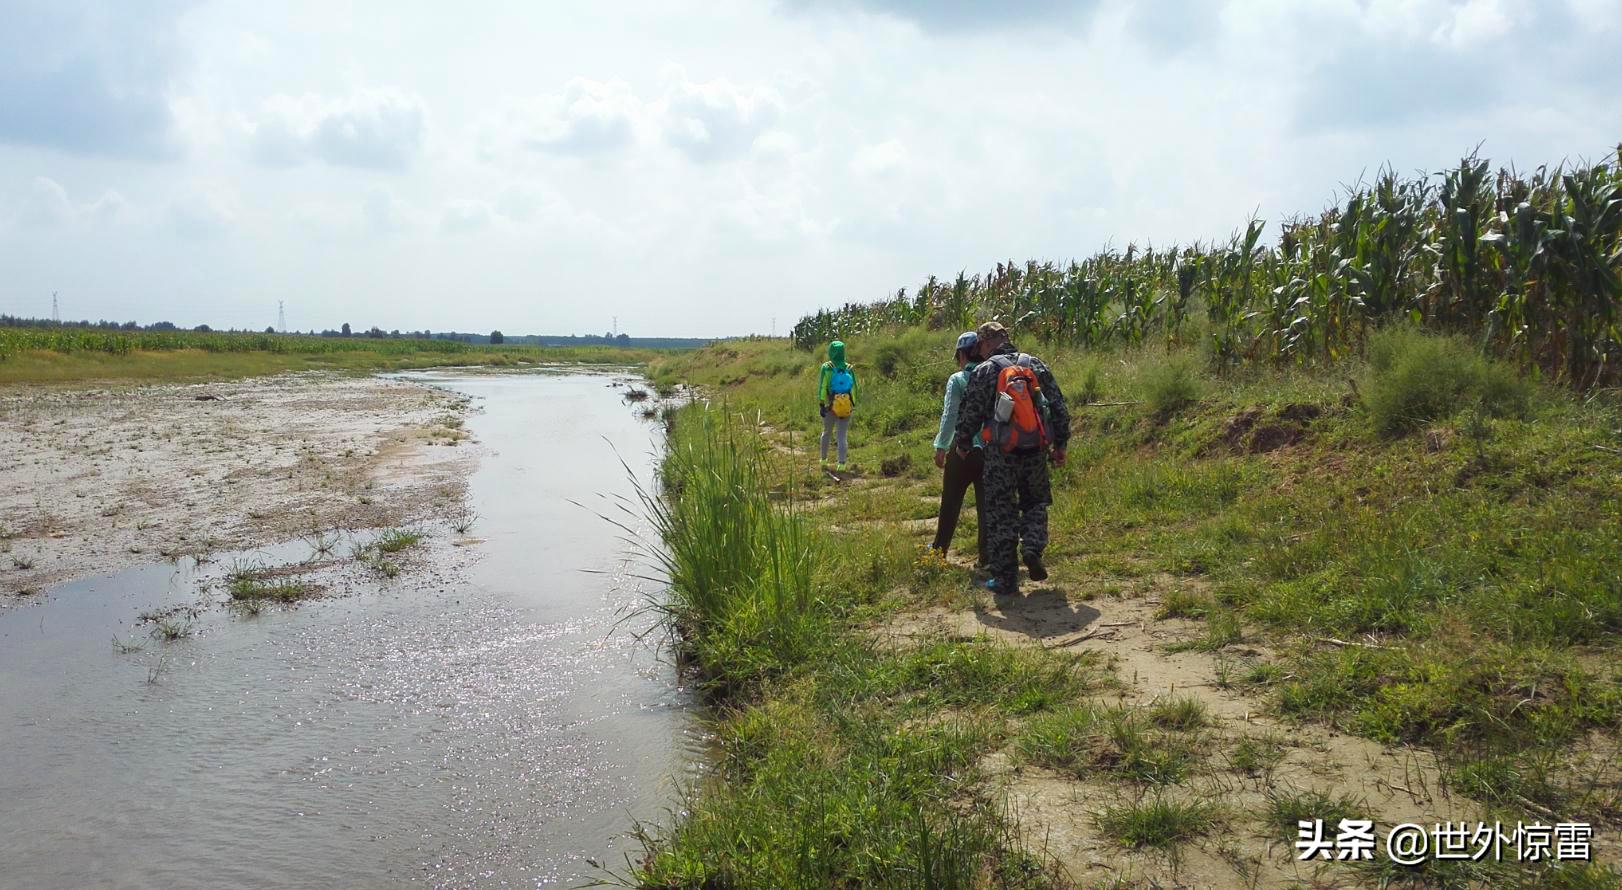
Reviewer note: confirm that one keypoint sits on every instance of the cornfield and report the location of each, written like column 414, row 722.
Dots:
column 1530, row 265
column 69, row 340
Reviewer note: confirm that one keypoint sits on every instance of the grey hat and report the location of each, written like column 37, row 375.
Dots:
column 966, row 340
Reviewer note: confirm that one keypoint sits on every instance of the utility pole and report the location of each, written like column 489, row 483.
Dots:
column 774, row 327
column 56, row 309
column 616, row 325
column 281, row 317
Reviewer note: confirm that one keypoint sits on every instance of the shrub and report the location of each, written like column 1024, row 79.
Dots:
column 1170, row 384
column 1092, row 384
column 887, row 359
column 1417, row 378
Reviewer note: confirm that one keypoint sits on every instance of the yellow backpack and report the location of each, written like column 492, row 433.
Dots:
column 840, row 385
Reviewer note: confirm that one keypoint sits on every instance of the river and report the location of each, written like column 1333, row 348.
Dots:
column 499, row 727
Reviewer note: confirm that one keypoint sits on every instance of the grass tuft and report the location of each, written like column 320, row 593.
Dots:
column 1110, row 740
column 1181, row 713
column 259, row 590
column 1183, row 604
column 1157, row 822
column 395, row 540
column 1254, row 756
column 170, row 629
column 1288, row 807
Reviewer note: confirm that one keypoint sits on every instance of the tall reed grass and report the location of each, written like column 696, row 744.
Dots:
column 740, row 560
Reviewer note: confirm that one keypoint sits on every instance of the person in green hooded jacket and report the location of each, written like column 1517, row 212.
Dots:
column 836, row 400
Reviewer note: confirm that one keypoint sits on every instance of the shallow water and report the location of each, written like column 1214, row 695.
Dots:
column 483, row 729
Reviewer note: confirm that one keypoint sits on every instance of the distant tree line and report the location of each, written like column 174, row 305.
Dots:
column 377, row 333
column 16, row 321
column 612, row 340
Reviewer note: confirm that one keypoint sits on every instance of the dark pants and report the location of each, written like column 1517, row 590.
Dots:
column 1017, row 493
column 961, row 472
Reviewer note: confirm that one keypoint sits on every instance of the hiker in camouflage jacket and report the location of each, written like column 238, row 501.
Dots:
column 1015, row 486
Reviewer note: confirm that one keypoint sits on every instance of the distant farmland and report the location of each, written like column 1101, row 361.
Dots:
column 64, row 354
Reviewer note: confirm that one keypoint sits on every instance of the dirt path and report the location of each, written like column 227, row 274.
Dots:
column 1282, row 760
column 94, row 480
column 1058, row 811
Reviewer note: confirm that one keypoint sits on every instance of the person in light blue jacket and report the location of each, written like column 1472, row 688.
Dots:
column 959, row 472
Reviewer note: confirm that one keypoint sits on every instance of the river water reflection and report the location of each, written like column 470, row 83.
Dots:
column 487, row 731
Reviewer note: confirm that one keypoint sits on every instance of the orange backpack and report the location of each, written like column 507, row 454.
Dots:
column 1016, row 424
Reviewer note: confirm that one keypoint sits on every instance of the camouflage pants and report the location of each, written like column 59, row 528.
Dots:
column 1016, row 493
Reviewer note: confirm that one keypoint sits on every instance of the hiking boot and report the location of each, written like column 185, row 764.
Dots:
column 1033, row 564
column 1002, row 588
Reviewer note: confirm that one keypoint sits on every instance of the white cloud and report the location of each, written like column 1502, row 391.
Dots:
column 587, row 118
column 522, row 202
column 373, row 129
column 963, row 15
column 90, row 78
column 876, row 160
column 716, row 120
column 462, row 217
column 873, row 142
column 706, row 121
column 46, row 203
column 203, row 212
column 387, row 213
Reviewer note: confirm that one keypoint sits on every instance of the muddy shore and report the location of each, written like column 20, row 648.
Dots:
column 97, row 479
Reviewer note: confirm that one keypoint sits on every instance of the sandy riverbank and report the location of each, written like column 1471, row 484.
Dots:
column 97, row 479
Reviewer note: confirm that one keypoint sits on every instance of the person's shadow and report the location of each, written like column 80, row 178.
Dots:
column 1044, row 612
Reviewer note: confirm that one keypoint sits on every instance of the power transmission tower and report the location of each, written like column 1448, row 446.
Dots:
column 281, row 317
column 616, row 325
column 56, row 310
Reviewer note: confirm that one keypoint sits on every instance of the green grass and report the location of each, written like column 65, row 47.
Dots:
column 1455, row 591
column 1179, row 712
column 1157, row 822
column 1221, row 630
column 1288, row 807
column 395, row 540
column 261, row 590
column 1183, row 604
column 170, row 629
column 808, row 808
column 1255, row 756
column 1119, row 741
column 842, row 762
column 986, row 674
column 57, row 356
column 740, row 559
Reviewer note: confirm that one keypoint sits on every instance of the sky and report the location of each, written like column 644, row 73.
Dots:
column 718, row 167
